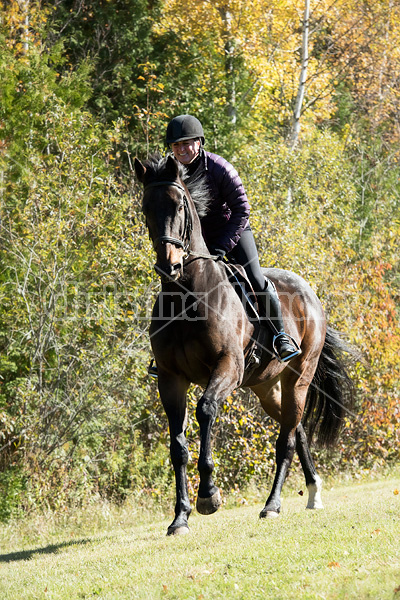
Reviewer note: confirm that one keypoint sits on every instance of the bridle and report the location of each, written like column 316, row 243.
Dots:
column 184, row 243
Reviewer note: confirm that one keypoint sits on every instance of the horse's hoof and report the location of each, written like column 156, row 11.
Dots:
column 178, row 531
column 208, row 506
column 269, row 514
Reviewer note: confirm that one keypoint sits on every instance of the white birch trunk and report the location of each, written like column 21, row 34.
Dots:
column 24, row 7
column 295, row 130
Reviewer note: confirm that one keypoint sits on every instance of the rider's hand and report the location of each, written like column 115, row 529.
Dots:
column 217, row 252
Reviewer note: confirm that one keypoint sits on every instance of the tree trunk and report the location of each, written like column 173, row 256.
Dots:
column 226, row 17
column 24, row 8
column 295, row 129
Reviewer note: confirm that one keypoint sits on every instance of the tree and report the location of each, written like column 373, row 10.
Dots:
column 115, row 41
column 73, row 291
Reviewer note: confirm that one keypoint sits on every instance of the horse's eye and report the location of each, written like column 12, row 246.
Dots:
column 180, row 207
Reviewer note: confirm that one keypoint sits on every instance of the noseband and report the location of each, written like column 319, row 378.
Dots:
column 184, row 243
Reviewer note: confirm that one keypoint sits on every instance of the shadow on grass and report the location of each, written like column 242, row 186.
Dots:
column 51, row 549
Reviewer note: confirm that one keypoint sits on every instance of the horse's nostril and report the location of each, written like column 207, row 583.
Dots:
column 169, row 271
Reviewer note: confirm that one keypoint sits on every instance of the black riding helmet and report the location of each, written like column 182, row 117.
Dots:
column 184, row 127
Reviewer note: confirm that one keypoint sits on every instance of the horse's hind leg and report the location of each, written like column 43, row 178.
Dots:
column 313, row 481
column 285, row 447
column 291, row 409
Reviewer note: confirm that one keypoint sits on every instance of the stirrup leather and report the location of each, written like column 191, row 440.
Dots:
column 297, row 352
column 254, row 359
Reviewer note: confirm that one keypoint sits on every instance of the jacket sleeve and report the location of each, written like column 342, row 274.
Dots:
column 232, row 197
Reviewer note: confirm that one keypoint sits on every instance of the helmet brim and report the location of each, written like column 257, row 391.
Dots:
column 184, row 139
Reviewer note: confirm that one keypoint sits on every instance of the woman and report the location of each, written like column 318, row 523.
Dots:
column 226, row 228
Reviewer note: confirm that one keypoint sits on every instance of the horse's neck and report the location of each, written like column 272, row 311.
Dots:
column 202, row 272
column 198, row 245
column 197, row 242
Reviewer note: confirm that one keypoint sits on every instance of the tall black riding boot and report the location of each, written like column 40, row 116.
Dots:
column 283, row 345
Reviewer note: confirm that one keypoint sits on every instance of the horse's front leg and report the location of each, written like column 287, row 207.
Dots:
column 223, row 381
column 173, row 396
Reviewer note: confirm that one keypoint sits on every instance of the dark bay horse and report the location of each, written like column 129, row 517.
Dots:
column 200, row 333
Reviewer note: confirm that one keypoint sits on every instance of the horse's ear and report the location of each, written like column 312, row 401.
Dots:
column 140, row 170
column 172, row 166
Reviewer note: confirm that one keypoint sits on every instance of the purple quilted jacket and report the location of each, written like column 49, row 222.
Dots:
column 228, row 214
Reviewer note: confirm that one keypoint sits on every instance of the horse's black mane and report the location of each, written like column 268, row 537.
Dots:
column 197, row 185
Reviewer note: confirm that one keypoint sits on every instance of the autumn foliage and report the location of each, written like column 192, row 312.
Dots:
column 88, row 85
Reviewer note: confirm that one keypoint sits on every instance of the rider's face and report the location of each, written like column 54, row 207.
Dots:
column 186, row 151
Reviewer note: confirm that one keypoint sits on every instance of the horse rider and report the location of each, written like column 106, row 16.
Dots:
column 225, row 227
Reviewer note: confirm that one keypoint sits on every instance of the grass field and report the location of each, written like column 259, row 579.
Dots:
column 349, row 550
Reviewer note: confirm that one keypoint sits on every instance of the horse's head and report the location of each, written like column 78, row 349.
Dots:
column 168, row 217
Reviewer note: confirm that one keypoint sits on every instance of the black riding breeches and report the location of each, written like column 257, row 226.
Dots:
column 245, row 254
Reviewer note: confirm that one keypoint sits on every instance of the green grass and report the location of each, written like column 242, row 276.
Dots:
column 349, row 550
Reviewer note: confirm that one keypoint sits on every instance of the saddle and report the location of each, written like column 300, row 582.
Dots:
column 242, row 286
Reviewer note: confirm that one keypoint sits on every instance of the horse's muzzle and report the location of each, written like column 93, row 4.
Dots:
column 169, row 272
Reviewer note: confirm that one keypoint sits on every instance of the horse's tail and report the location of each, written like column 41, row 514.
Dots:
column 331, row 393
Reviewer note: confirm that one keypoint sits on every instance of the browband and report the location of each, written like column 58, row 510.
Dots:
column 158, row 183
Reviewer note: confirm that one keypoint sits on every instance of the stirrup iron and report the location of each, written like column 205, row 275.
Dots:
column 285, row 359
column 152, row 369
